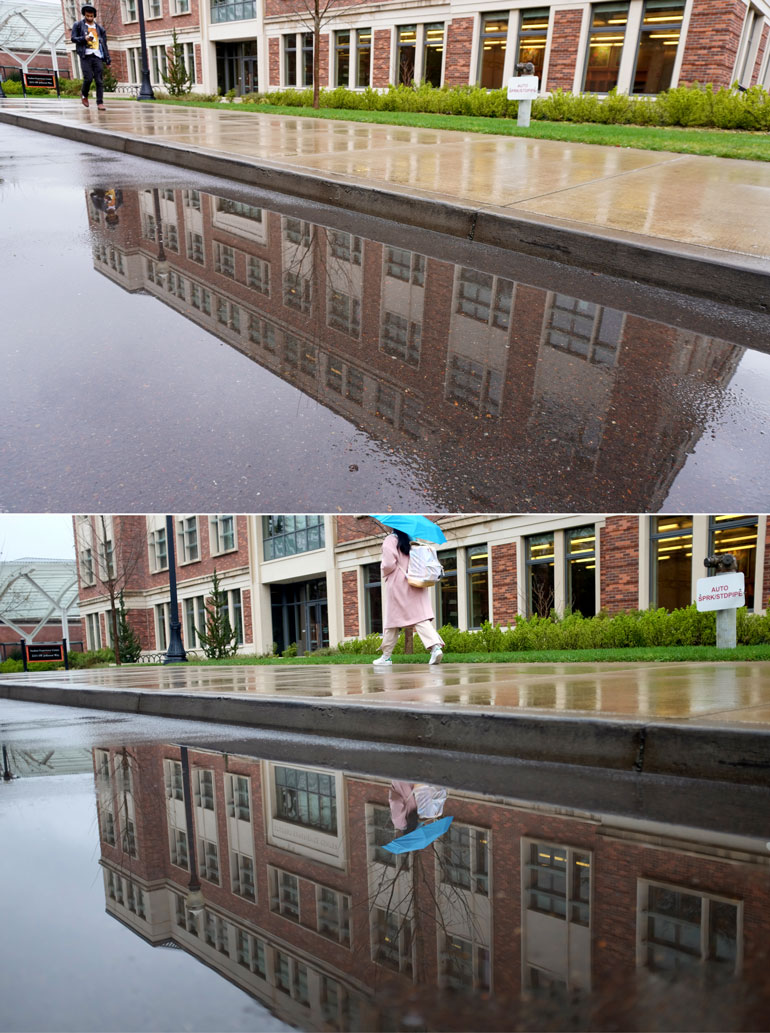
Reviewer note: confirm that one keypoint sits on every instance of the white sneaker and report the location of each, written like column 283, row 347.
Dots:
column 382, row 661
column 436, row 655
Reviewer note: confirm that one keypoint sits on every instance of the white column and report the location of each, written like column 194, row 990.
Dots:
column 630, row 47
column 700, row 550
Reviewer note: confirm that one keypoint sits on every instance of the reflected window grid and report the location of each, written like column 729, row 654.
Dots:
column 681, row 931
column 204, row 789
column 465, row 965
column 484, row 297
column 333, row 915
column 258, row 276
column 393, row 941
column 584, row 329
column 224, row 260
column 463, row 858
column 558, row 882
column 208, row 860
column 284, row 894
column 200, row 298
column 401, row 338
column 195, row 249
column 242, row 875
column 380, row 831
column 307, row 798
column 344, row 313
column 474, row 386
column 217, row 932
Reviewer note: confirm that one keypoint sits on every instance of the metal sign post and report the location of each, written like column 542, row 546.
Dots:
column 523, row 88
column 723, row 593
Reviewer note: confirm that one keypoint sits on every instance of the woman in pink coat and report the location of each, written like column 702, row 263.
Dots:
column 405, row 606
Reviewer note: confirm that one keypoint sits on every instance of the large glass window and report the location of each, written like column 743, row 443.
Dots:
column 661, row 27
column 684, row 930
column 464, row 858
column 581, row 570
column 401, row 338
column 232, row 10
column 671, row 555
column 342, row 58
column 541, row 588
column 448, row 608
column 484, row 297
column 373, row 597
column 494, row 33
column 478, row 585
column 363, row 57
column 290, row 59
column 584, row 329
column 307, row 58
column 288, row 535
column 306, row 798
column 433, row 52
column 738, row 536
column 533, row 33
column 558, row 882
column 605, row 46
column 406, row 50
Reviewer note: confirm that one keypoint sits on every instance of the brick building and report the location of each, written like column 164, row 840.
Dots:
column 314, row 580
column 301, row 907
column 550, row 393
column 638, row 46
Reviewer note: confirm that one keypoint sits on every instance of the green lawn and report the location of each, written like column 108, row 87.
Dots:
column 717, row 142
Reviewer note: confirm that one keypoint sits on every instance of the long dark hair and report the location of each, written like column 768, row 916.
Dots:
column 404, row 544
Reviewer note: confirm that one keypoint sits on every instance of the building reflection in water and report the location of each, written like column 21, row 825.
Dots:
column 519, row 912
column 547, row 393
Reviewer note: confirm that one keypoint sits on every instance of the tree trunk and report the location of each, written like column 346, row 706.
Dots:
column 409, row 641
column 316, row 55
column 115, row 639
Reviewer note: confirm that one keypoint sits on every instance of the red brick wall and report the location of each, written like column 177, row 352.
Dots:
column 350, row 602
column 765, row 600
column 198, row 64
column 504, row 584
column 323, row 62
column 168, row 22
column 712, row 43
column 760, row 55
column 619, row 562
column 564, row 49
column 457, row 67
column 381, row 58
column 142, row 623
column 353, row 529
column 274, row 58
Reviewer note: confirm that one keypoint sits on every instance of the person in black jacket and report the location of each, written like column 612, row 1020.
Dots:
column 90, row 41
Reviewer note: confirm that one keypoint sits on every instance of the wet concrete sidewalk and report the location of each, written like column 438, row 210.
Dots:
column 696, row 720
column 692, row 223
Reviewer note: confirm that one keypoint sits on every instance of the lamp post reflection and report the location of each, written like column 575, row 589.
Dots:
column 194, row 901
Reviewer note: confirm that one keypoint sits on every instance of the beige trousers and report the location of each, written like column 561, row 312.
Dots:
column 425, row 629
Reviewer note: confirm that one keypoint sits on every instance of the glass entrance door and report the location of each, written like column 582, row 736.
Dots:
column 300, row 615
column 237, row 67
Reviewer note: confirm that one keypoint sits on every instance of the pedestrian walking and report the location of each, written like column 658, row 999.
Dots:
column 90, row 41
column 404, row 605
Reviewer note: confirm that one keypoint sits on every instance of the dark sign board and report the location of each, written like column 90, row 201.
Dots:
column 45, row 653
column 47, row 79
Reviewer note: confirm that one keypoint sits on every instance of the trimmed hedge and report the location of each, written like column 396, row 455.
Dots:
column 723, row 108
column 685, row 627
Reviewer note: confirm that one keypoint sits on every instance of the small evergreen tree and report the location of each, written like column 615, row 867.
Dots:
column 109, row 79
column 219, row 639
column 129, row 646
column 176, row 77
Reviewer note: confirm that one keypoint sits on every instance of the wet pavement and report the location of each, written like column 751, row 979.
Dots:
column 261, row 351
column 559, row 898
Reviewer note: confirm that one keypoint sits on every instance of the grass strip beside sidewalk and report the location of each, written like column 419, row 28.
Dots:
column 719, row 143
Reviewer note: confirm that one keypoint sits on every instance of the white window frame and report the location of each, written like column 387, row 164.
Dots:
column 186, row 527
column 215, row 534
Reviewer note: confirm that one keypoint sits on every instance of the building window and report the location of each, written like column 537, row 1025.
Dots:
column 342, row 58
column 738, row 536
column 474, row 386
column 433, row 53
column 605, row 46
column 333, row 915
column 682, row 930
column 87, row 567
column 381, row 832
column 307, row 798
column 222, row 534
column 158, row 550
column 406, row 53
column 161, row 626
column 187, row 538
column 204, row 789
column 344, row 313
column 533, row 33
column 344, row 247
column 464, row 965
column 251, row 953
column 288, row 535
column 584, row 329
column 463, row 858
column 539, row 558
column 217, row 933
column 307, row 59
column 239, row 208
column 407, row 266
column 290, row 59
column 178, row 848
column 477, row 558
column 363, row 58
column 238, row 798
column 224, row 260
column 172, row 778
column 671, row 558
column 195, row 248
column 581, row 570
column 192, row 199
column 242, row 875
column 155, row 9
column 228, row 315
column 557, row 880
column 200, row 298
column 107, row 823
column 128, row 11
column 448, row 605
column 258, row 275
column 208, row 860
column 401, row 338
column 183, row 7
column 485, row 297
column 284, row 894
column 661, row 27
column 297, row 292
column 135, row 900
column 494, row 33
column 158, row 67
column 373, row 598
column 194, row 619
column 233, row 10
column 392, row 938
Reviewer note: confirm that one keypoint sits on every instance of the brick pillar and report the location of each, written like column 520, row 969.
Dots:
column 198, row 63
column 274, row 61
column 350, row 603
column 504, row 584
column 381, row 58
column 564, row 49
column 248, row 624
column 713, row 38
column 619, row 561
column 765, row 599
column 323, row 62
column 457, row 66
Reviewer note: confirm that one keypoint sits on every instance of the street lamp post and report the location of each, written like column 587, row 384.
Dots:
column 176, row 653
column 145, row 90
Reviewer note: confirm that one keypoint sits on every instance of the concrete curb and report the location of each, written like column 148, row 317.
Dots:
column 726, row 277
column 712, row 753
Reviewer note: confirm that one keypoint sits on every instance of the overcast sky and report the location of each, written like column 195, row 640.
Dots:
column 42, row 535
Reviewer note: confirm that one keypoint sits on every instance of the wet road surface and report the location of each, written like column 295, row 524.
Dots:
column 557, row 900
column 268, row 353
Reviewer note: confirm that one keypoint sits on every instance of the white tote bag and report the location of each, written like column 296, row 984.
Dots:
column 424, row 568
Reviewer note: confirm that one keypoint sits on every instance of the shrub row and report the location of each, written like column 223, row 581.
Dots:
column 723, row 108
column 685, row 627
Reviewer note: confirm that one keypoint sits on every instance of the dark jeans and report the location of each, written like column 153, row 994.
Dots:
column 92, row 72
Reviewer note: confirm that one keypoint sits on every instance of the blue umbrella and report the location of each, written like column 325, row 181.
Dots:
column 413, row 525
column 422, row 836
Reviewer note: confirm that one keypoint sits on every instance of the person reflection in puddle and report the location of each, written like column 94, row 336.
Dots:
column 411, row 802
column 405, row 606
column 108, row 201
